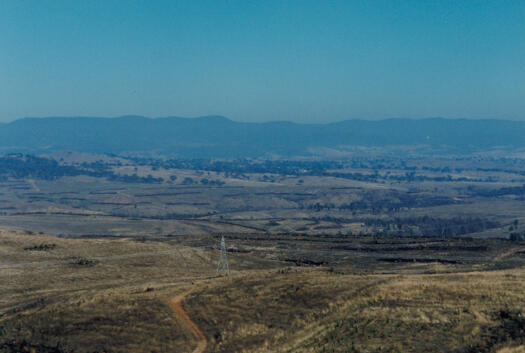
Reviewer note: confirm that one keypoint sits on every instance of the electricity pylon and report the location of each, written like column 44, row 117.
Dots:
column 223, row 259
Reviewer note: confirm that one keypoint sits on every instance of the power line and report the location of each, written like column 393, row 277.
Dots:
column 223, row 259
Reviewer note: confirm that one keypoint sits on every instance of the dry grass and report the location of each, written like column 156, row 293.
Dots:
column 312, row 311
column 117, row 301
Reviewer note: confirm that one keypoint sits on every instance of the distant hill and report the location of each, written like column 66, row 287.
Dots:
column 215, row 136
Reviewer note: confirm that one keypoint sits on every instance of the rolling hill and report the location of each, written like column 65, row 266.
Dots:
column 219, row 137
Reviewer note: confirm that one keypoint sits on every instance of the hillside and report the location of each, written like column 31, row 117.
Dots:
column 219, row 137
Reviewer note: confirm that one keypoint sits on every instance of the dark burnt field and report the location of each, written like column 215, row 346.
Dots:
column 376, row 254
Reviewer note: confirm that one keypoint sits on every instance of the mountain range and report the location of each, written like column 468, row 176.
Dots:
column 219, row 137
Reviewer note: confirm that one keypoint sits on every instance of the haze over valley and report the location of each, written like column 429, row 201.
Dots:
column 262, row 176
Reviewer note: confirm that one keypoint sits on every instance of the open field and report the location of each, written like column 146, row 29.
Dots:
column 365, row 257
column 114, row 197
column 113, row 295
column 262, row 176
column 94, row 295
column 312, row 311
column 80, row 206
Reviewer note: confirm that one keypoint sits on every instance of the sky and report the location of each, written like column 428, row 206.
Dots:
column 302, row 61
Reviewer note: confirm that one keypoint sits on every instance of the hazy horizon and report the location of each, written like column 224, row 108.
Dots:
column 251, row 61
column 247, row 121
column 262, row 176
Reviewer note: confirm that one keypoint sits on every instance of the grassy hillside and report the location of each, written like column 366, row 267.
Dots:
column 310, row 311
column 93, row 295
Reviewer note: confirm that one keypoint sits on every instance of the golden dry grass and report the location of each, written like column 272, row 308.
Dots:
column 119, row 303
column 312, row 311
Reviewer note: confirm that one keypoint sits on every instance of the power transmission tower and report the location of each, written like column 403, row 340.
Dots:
column 223, row 259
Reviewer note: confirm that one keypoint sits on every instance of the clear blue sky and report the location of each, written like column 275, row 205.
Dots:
column 309, row 61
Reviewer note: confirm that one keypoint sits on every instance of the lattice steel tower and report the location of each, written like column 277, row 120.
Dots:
column 223, row 259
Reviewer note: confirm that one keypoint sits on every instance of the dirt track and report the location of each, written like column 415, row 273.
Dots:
column 176, row 306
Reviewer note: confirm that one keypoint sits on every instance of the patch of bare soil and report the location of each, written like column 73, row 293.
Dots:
column 178, row 308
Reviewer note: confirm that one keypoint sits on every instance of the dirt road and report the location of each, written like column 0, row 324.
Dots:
column 176, row 306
